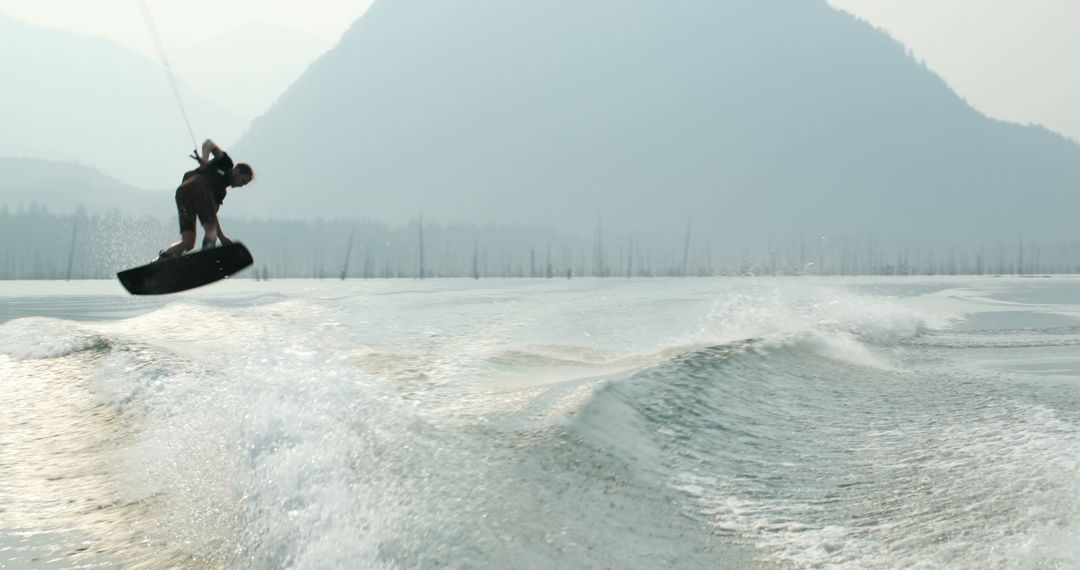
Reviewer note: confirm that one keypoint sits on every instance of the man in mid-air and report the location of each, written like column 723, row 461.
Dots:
column 201, row 194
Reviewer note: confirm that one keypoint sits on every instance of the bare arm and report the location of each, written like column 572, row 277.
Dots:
column 208, row 147
column 220, row 232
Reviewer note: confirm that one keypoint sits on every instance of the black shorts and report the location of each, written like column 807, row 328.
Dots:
column 194, row 200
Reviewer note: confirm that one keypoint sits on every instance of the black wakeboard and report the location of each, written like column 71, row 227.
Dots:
column 187, row 271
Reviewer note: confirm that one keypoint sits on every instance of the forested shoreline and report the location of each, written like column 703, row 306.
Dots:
column 38, row 244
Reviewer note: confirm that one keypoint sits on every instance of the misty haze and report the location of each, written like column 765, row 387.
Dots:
column 549, row 284
column 770, row 136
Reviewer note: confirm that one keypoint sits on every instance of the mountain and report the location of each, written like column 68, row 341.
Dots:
column 68, row 97
column 758, row 118
column 61, row 187
column 264, row 60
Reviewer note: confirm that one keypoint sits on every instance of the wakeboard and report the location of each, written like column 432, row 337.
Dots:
column 187, row 271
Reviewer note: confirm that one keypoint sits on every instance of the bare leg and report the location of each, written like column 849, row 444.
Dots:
column 186, row 243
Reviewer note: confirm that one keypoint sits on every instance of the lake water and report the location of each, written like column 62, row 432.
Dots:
column 687, row 423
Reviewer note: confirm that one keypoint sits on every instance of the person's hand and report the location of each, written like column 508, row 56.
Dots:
column 225, row 240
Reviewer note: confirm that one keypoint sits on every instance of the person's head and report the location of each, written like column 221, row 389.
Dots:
column 242, row 174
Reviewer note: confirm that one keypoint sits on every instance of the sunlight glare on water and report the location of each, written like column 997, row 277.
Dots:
column 697, row 423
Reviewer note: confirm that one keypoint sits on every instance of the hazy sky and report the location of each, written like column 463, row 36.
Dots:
column 241, row 54
column 1012, row 60
column 184, row 22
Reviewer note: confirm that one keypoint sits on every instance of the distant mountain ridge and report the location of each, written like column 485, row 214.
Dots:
column 68, row 97
column 757, row 117
column 62, row 187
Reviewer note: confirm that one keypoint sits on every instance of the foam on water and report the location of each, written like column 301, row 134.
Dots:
column 817, row 473
column 23, row 339
column 276, row 452
column 556, row 424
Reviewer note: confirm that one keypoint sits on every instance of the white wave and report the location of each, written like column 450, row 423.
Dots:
column 250, row 455
column 34, row 338
column 847, row 348
column 422, row 430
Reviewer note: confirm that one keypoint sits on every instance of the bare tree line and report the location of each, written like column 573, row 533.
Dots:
column 37, row 244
